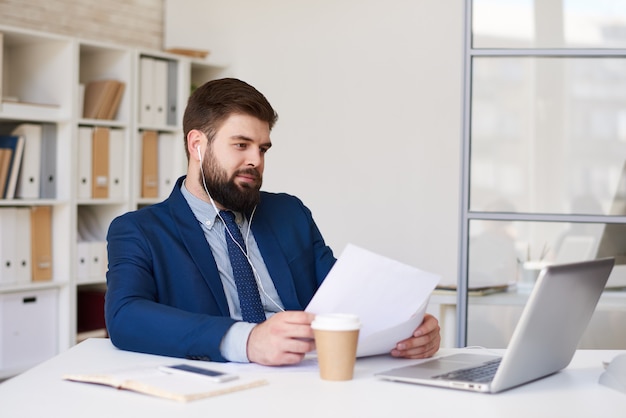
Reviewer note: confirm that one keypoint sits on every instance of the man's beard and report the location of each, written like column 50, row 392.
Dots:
column 224, row 190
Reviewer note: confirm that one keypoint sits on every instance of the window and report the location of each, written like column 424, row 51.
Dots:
column 544, row 157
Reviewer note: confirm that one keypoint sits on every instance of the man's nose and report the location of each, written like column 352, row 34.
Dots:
column 254, row 158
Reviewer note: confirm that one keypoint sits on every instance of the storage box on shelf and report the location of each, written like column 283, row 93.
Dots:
column 34, row 337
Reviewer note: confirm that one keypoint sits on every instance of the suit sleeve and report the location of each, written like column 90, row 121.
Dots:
column 157, row 302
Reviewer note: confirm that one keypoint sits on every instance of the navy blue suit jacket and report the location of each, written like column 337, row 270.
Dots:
column 164, row 293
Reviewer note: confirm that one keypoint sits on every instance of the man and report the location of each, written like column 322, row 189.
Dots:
column 172, row 287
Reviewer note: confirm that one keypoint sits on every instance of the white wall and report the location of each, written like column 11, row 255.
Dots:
column 369, row 100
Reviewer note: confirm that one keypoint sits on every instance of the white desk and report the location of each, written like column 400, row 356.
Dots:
column 40, row 392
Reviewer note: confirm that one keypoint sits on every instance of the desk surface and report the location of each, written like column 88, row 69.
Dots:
column 39, row 392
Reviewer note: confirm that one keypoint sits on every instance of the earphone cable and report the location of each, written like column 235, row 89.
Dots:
column 244, row 252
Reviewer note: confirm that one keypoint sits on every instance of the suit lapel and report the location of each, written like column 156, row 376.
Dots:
column 197, row 246
column 276, row 264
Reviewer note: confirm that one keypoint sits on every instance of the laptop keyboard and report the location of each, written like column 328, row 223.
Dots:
column 480, row 374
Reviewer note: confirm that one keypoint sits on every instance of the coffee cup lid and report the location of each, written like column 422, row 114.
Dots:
column 336, row 322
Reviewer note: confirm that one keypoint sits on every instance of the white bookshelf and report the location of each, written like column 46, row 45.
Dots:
column 42, row 76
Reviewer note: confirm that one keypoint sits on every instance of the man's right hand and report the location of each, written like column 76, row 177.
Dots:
column 282, row 339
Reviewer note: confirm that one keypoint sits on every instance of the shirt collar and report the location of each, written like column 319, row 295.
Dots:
column 205, row 212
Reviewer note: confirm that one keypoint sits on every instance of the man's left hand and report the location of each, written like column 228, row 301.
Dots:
column 423, row 343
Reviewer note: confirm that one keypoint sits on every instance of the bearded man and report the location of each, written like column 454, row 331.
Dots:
column 221, row 271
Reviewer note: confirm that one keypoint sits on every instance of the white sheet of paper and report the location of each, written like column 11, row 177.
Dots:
column 389, row 297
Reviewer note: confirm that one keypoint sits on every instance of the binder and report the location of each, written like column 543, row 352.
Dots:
column 5, row 164
column 41, row 242
column 16, row 146
column 146, row 81
column 149, row 164
column 117, row 184
column 48, row 170
column 85, row 135
column 153, row 91
column 8, row 250
column 29, row 174
column 172, row 162
column 100, row 163
column 160, row 87
column 92, row 261
column 98, row 261
column 172, row 93
column 23, row 256
column 1, row 68
column 91, row 246
column 82, row 269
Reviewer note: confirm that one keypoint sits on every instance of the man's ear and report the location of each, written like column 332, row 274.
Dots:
column 195, row 142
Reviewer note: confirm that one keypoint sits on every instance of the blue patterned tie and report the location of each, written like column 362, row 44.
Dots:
column 249, row 298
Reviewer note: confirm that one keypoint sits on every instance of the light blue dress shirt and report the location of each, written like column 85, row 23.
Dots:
column 234, row 344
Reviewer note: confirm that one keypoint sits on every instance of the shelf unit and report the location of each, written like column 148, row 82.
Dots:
column 42, row 82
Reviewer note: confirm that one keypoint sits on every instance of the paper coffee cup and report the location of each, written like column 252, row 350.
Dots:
column 336, row 337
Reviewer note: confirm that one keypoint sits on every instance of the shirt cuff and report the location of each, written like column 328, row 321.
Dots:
column 235, row 342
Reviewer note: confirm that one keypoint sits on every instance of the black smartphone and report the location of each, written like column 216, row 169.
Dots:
column 214, row 375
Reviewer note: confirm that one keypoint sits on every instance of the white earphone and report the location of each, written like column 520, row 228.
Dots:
column 244, row 251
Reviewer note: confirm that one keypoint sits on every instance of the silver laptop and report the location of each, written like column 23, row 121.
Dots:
column 544, row 341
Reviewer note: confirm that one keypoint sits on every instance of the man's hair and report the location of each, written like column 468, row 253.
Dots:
column 213, row 102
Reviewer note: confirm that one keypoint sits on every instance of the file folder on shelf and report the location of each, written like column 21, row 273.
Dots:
column 82, row 260
column 160, row 92
column 117, row 177
column 5, row 165
column 154, row 91
column 15, row 245
column 23, row 245
column 149, row 164
column 48, row 170
column 172, row 93
column 29, row 174
column 100, row 163
column 91, row 247
column 8, row 249
column 85, row 136
column 41, row 243
column 146, row 94
column 172, row 162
